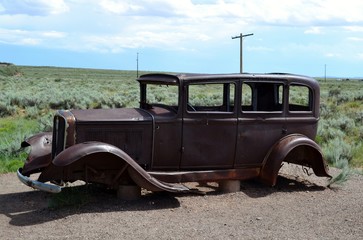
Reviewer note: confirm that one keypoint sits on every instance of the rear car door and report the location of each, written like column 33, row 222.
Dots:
column 261, row 122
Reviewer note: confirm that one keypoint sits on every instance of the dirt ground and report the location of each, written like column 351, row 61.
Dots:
column 299, row 207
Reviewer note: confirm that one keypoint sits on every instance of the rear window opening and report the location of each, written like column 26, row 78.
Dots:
column 262, row 97
column 300, row 98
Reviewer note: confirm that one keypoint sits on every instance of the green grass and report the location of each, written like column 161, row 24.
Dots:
column 13, row 130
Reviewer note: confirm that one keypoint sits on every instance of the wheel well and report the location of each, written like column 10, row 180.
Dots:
column 302, row 155
column 294, row 149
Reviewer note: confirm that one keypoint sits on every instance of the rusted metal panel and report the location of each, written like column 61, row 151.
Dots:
column 167, row 144
column 295, row 148
column 256, row 135
column 127, row 129
column 103, row 163
column 207, row 176
column 209, row 142
column 40, row 152
column 117, row 115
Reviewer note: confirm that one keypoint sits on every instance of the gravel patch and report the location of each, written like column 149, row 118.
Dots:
column 298, row 207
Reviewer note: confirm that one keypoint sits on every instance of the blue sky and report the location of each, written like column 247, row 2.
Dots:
column 296, row 36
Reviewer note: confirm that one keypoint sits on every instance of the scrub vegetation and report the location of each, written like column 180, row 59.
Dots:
column 29, row 96
column 341, row 126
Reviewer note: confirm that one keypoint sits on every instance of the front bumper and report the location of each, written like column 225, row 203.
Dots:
column 38, row 185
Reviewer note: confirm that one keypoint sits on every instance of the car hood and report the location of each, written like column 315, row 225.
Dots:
column 111, row 115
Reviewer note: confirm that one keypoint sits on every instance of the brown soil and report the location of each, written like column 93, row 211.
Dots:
column 299, row 207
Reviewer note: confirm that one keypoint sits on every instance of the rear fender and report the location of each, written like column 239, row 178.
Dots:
column 105, row 158
column 297, row 149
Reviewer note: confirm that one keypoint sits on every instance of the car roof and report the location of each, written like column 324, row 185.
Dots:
column 178, row 78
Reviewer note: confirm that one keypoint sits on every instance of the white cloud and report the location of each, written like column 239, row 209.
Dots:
column 313, row 30
column 119, row 7
column 115, row 25
column 30, row 41
column 24, row 37
column 213, row 17
column 278, row 12
column 141, row 39
column 34, row 7
column 348, row 11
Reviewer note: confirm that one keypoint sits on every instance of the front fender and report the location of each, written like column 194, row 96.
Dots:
column 297, row 149
column 103, row 157
column 39, row 156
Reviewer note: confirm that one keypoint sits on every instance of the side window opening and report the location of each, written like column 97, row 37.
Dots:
column 262, row 96
column 160, row 95
column 300, row 98
column 211, row 97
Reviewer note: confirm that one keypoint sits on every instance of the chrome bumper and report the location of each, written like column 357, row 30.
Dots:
column 38, row 185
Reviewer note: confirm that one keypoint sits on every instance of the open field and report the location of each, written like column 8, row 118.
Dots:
column 30, row 95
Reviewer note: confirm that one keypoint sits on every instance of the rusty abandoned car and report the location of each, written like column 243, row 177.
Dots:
column 188, row 128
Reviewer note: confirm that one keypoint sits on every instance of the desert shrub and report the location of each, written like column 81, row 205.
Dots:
column 342, row 176
column 335, row 126
column 359, row 96
column 354, row 104
column 12, row 133
column 119, row 102
column 328, row 131
column 334, row 92
column 345, row 97
column 357, row 156
column 338, row 153
column 327, row 110
column 343, row 123
column 10, row 70
column 6, row 110
column 32, row 112
column 45, row 122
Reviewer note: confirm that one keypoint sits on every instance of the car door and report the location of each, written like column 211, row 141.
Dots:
column 162, row 103
column 261, row 122
column 209, row 126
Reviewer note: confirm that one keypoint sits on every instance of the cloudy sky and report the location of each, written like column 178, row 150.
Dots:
column 297, row 36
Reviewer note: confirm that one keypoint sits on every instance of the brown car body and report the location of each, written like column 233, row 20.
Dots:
column 188, row 128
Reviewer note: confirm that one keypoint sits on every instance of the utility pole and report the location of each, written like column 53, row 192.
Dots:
column 241, row 36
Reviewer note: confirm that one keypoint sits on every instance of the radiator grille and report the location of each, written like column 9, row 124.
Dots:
column 59, row 134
